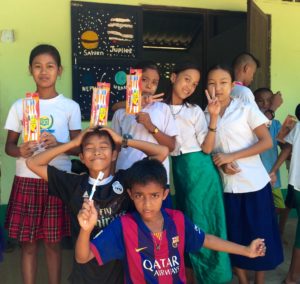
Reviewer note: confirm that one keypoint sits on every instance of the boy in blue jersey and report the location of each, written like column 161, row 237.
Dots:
column 152, row 241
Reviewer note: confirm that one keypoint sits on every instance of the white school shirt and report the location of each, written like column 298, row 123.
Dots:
column 123, row 123
column 243, row 93
column 293, row 138
column 234, row 133
column 192, row 126
column 57, row 116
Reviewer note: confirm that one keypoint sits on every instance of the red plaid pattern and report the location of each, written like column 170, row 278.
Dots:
column 32, row 214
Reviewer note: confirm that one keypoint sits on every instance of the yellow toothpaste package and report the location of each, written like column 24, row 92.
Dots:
column 100, row 104
column 31, row 117
column 133, row 91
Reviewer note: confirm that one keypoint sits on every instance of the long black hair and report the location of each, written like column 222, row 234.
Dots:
column 180, row 67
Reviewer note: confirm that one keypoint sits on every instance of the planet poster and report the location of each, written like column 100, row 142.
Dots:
column 87, row 76
column 105, row 30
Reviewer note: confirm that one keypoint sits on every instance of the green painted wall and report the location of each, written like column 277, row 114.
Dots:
column 41, row 21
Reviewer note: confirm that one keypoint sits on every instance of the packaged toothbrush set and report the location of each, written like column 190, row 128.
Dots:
column 100, row 104
column 31, row 117
column 133, row 91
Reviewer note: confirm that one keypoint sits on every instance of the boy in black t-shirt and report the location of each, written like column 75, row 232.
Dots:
column 98, row 152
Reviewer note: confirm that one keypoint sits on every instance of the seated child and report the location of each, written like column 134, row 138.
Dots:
column 150, row 242
column 98, row 151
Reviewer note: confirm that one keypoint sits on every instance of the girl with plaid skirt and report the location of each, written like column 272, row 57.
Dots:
column 32, row 215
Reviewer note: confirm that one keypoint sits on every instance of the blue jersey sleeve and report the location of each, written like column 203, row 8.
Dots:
column 194, row 236
column 108, row 245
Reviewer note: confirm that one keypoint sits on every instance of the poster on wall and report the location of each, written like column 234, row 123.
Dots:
column 106, row 42
column 104, row 30
column 86, row 78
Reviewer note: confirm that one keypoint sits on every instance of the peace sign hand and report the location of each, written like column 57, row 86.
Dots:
column 213, row 106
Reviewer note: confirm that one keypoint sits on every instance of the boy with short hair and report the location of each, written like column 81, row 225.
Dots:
column 152, row 241
column 263, row 99
column 98, row 151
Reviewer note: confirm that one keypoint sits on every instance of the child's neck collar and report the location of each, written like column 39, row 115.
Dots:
column 100, row 182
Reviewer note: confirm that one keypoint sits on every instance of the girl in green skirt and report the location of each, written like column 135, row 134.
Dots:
column 197, row 183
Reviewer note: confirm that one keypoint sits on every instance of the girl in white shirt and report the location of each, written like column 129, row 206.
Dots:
column 32, row 215
column 196, row 180
column 240, row 137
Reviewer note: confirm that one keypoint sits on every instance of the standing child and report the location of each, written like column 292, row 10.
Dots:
column 98, row 152
column 198, row 188
column 263, row 98
column 154, row 123
column 293, row 145
column 150, row 242
column 241, row 135
column 32, row 215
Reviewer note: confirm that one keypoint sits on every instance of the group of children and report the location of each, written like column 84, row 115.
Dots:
column 128, row 226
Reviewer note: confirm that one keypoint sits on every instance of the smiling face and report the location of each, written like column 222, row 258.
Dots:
column 184, row 85
column 148, row 199
column 220, row 80
column 263, row 100
column 150, row 80
column 97, row 155
column 44, row 70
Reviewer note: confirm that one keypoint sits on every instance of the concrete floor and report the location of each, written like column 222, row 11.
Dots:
column 10, row 268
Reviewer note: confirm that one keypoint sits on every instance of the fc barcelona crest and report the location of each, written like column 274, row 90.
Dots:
column 175, row 241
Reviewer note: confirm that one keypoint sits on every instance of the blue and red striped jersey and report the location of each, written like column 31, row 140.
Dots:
column 129, row 239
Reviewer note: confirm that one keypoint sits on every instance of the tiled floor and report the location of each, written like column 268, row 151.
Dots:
column 10, row 268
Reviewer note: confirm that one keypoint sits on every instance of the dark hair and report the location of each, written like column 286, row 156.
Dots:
column 147, row 64
column 262, row 90
column 45, row 49
column 98, row 131
column 146, row 171
column 297, row 111
column 244, row 57
column 181, row 67
column 223, row 67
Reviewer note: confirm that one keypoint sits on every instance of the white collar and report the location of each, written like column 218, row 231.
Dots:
column 100, row 182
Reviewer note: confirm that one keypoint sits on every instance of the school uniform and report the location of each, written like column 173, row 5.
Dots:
column 128, row 239
column 32, row 214
column 250, row 211
column 199, row 192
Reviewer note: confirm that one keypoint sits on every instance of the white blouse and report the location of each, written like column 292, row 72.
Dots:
column 234, row 133
column 192, row 127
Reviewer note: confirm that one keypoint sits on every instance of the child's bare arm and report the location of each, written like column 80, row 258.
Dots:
column 162, row 138
column 154, row 151
column 118, row 105
column 255, row 249
column 284, row 154
column 87, row 218
column 264, row 143
column 39, row 163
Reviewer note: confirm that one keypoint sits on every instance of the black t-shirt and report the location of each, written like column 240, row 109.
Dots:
column 111, row 200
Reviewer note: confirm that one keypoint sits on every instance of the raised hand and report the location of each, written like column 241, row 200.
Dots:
column 114, row 135
column 144, row 119
column 87, row 215
column 257, row 248
column 149, row 99
column 213, row 106
column 276, row 101
column 48, row 140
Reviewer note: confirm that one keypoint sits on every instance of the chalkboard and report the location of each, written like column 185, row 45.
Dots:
column 106, row 41
column 89, row 73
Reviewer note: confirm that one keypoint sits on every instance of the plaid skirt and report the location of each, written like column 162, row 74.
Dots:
column 32, row 214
